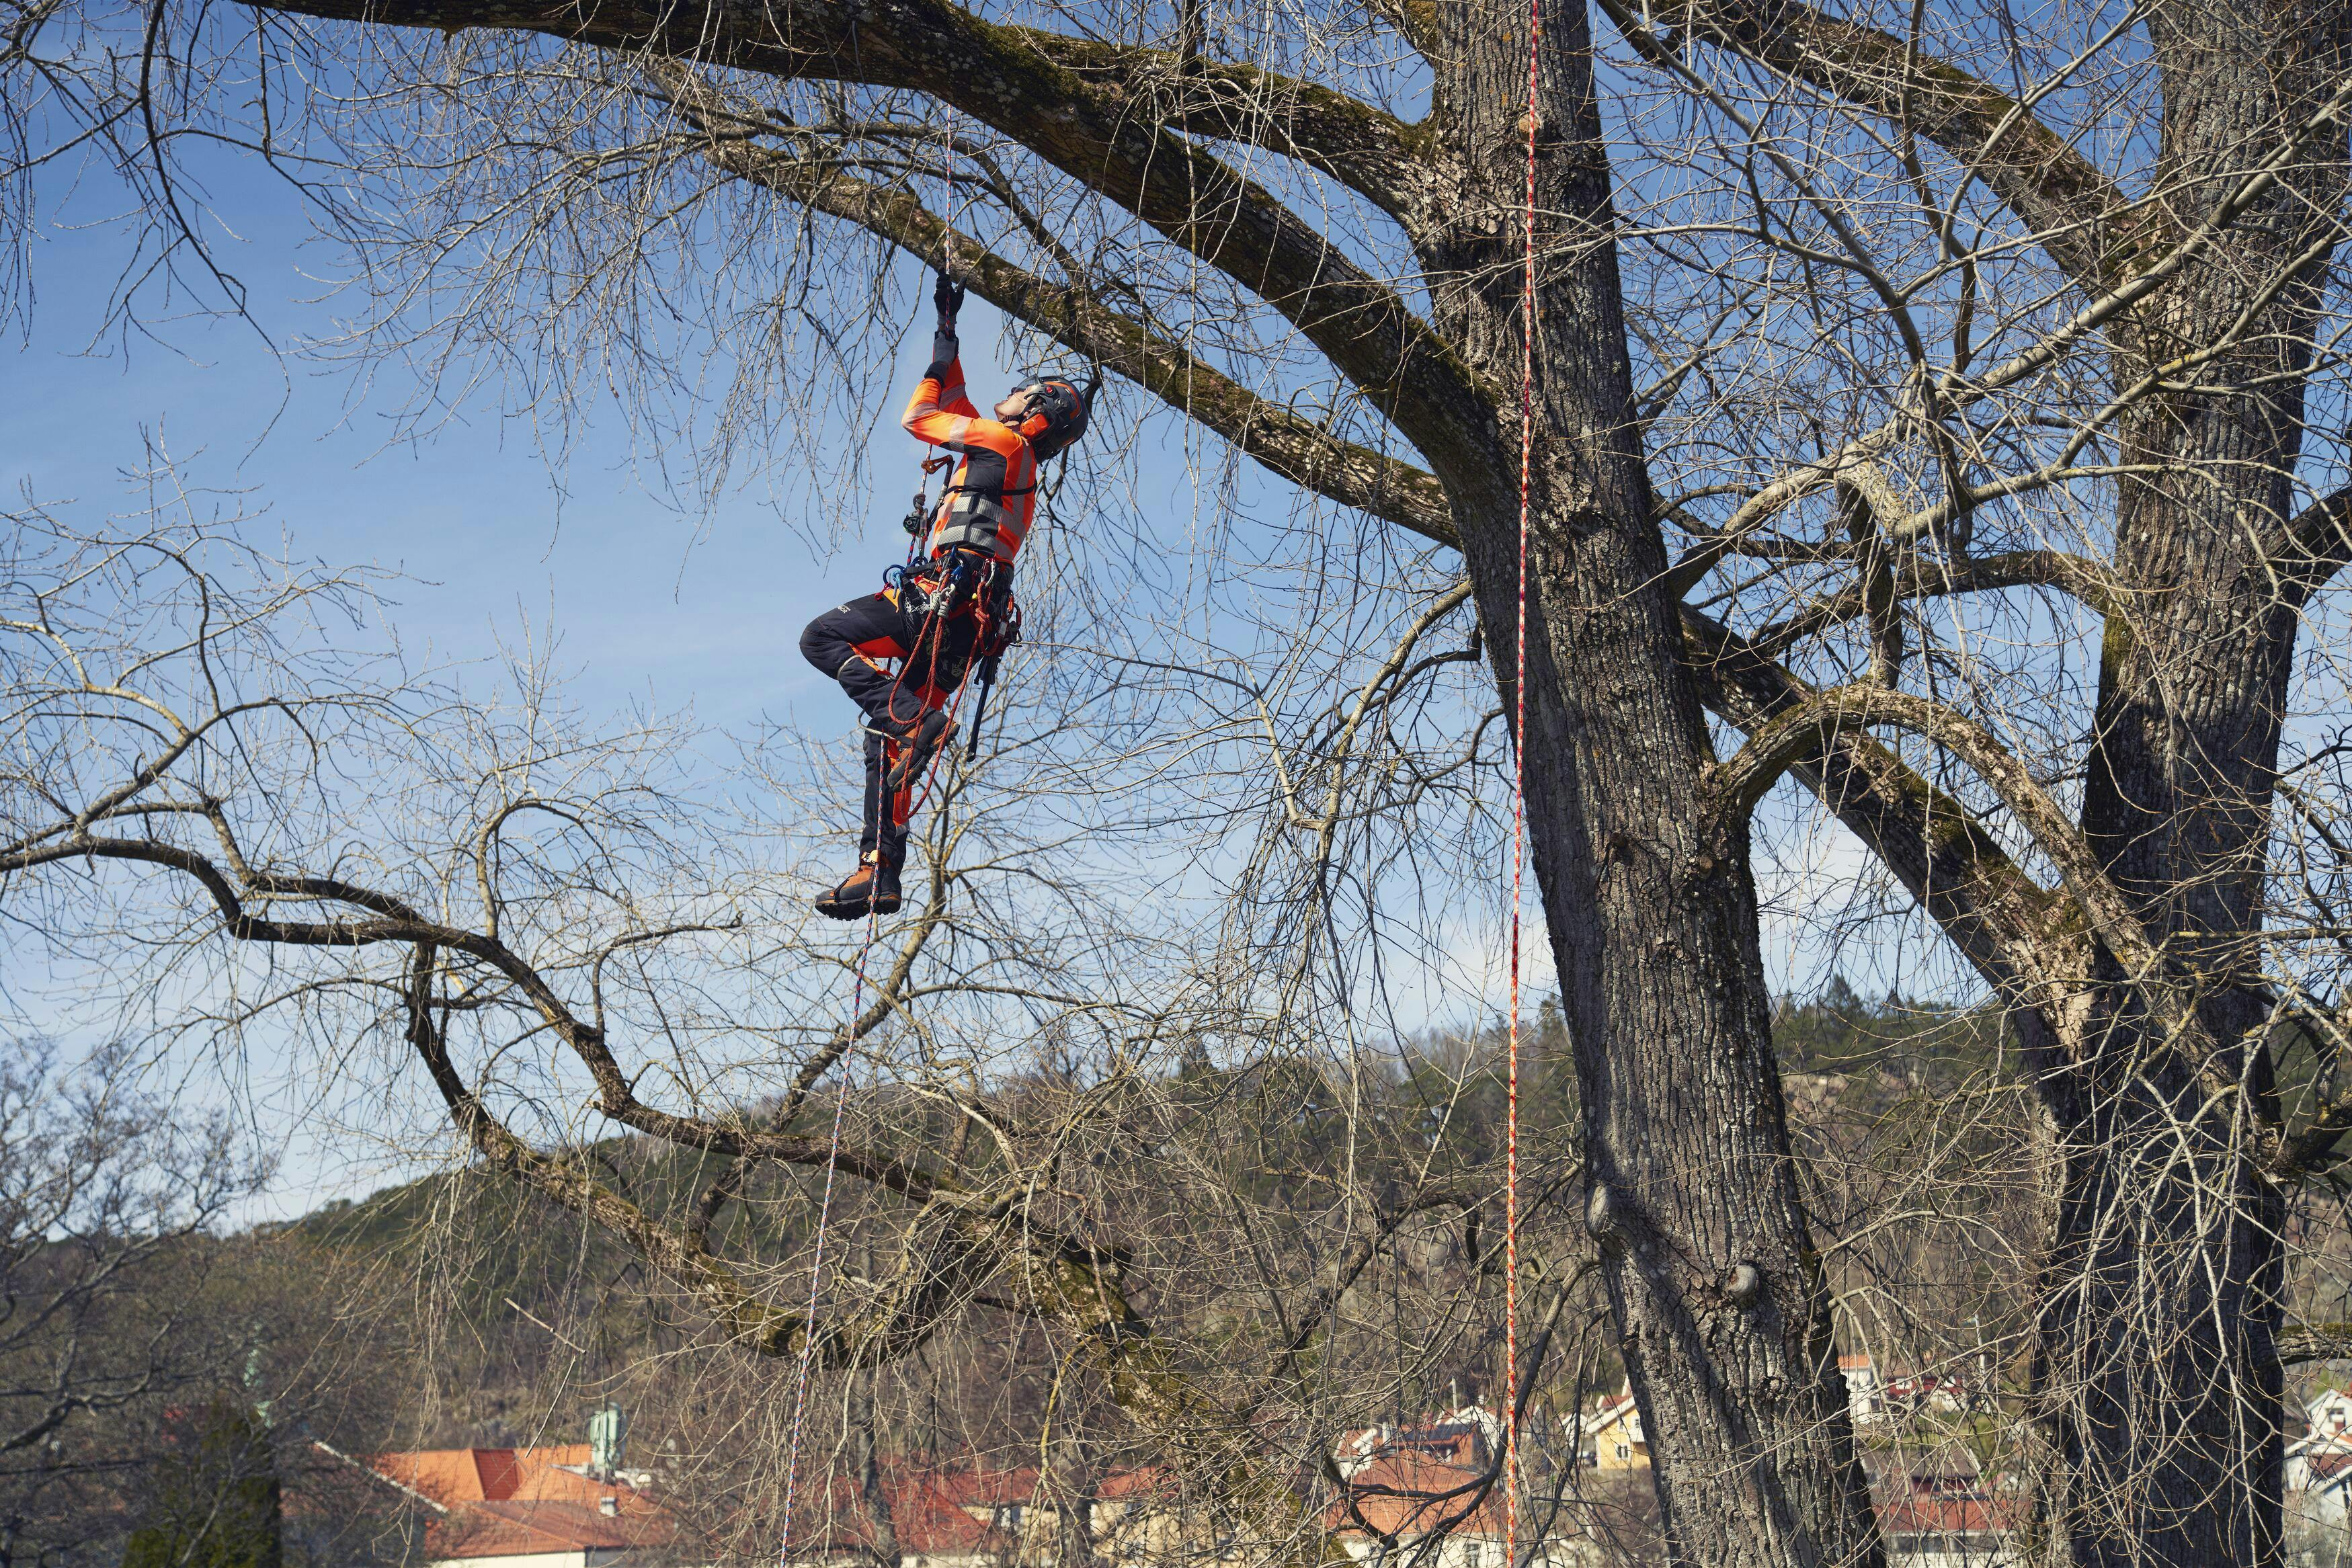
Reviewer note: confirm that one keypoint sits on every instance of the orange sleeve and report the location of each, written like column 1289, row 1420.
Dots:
column 940, row 414
column 937, row 406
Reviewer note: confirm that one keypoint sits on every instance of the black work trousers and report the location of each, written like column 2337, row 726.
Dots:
column 850, row 644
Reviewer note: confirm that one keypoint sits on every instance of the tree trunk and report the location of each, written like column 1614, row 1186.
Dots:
column 2158, row 1356
column 1652, row 921
column 865, row 1461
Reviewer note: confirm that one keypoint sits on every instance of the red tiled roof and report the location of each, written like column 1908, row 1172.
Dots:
column 1132, row 1483
column 2327, row 1465
column 1409, row 1494
column 514, row 1529
column 494, row 1475
column 931, row 1509
column 975, row 1485
column 507, row 1503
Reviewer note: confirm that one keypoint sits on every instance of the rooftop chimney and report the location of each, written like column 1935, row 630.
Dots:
column 610, row 1507
column 608, row 1435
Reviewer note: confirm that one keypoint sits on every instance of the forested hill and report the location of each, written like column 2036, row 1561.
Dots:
column 520, row 1316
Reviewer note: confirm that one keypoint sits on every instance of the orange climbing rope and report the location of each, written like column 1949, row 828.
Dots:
column 1518, row 821
column 889, row 803
column 817, row 1265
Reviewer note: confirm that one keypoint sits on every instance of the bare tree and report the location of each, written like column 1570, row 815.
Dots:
column 1951, row 441
column 102, row 1192
column 519, row 858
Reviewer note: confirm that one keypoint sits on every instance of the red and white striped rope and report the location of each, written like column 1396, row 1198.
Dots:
column 1510, row 1412
column 816, row 1262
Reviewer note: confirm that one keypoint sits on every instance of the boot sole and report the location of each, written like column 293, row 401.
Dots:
column 843, row 909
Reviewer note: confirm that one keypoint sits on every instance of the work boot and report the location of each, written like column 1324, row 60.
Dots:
column 915, row 750
column 871, row 889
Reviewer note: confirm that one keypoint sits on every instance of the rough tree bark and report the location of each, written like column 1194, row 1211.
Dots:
column 2166, row 1392
column 1651, row 916
column 2160, row 1307
column 2159, row 1335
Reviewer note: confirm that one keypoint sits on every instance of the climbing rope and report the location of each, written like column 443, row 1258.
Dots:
column 865, row 953
column 947, row 190
column 1510, row 1412
column 816, row 1261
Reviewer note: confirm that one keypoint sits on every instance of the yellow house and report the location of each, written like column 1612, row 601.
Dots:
column 1609, row 1438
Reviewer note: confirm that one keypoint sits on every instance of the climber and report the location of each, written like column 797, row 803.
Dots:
column 951, row 607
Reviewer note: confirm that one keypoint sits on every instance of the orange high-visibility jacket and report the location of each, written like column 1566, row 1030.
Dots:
column 994, row 488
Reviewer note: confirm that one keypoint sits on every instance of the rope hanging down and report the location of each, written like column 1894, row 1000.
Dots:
column 816, row 1262
column 1510, row 1412
column 840, row 1104
column 856, row 1005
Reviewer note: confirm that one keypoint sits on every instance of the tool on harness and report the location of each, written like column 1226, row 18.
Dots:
column 979, row 703
column 1003, row 630
column 918, row 515
column 946, row 583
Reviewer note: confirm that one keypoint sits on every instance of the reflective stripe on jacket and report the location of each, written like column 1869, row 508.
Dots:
column 993, row 490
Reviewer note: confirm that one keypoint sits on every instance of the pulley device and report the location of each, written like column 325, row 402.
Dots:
column 918, row 513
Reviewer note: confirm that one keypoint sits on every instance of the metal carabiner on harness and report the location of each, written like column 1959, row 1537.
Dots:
column 958, row 570
column 918, row 515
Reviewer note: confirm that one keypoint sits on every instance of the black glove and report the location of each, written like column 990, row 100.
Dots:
column 948, row 295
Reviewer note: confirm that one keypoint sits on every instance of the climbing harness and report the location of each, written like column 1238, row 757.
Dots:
column 976, row 519
column 972, row 539
column 1510, row 1411
column 1003, row 636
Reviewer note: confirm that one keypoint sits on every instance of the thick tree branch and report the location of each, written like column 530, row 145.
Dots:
column 977, row 1234
column 2033, row 946
column 391, row 920
column 1294, row 448
column 2013, row 931
column 1803, row 729
column 2318, row 542
column 1922, row 579
column 1394, row 165
column 1100, row 136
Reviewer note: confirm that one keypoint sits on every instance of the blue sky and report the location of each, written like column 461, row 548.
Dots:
column 646, row 600
column 648, row 604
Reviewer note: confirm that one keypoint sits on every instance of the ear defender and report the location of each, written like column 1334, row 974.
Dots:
column 1058, row 416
